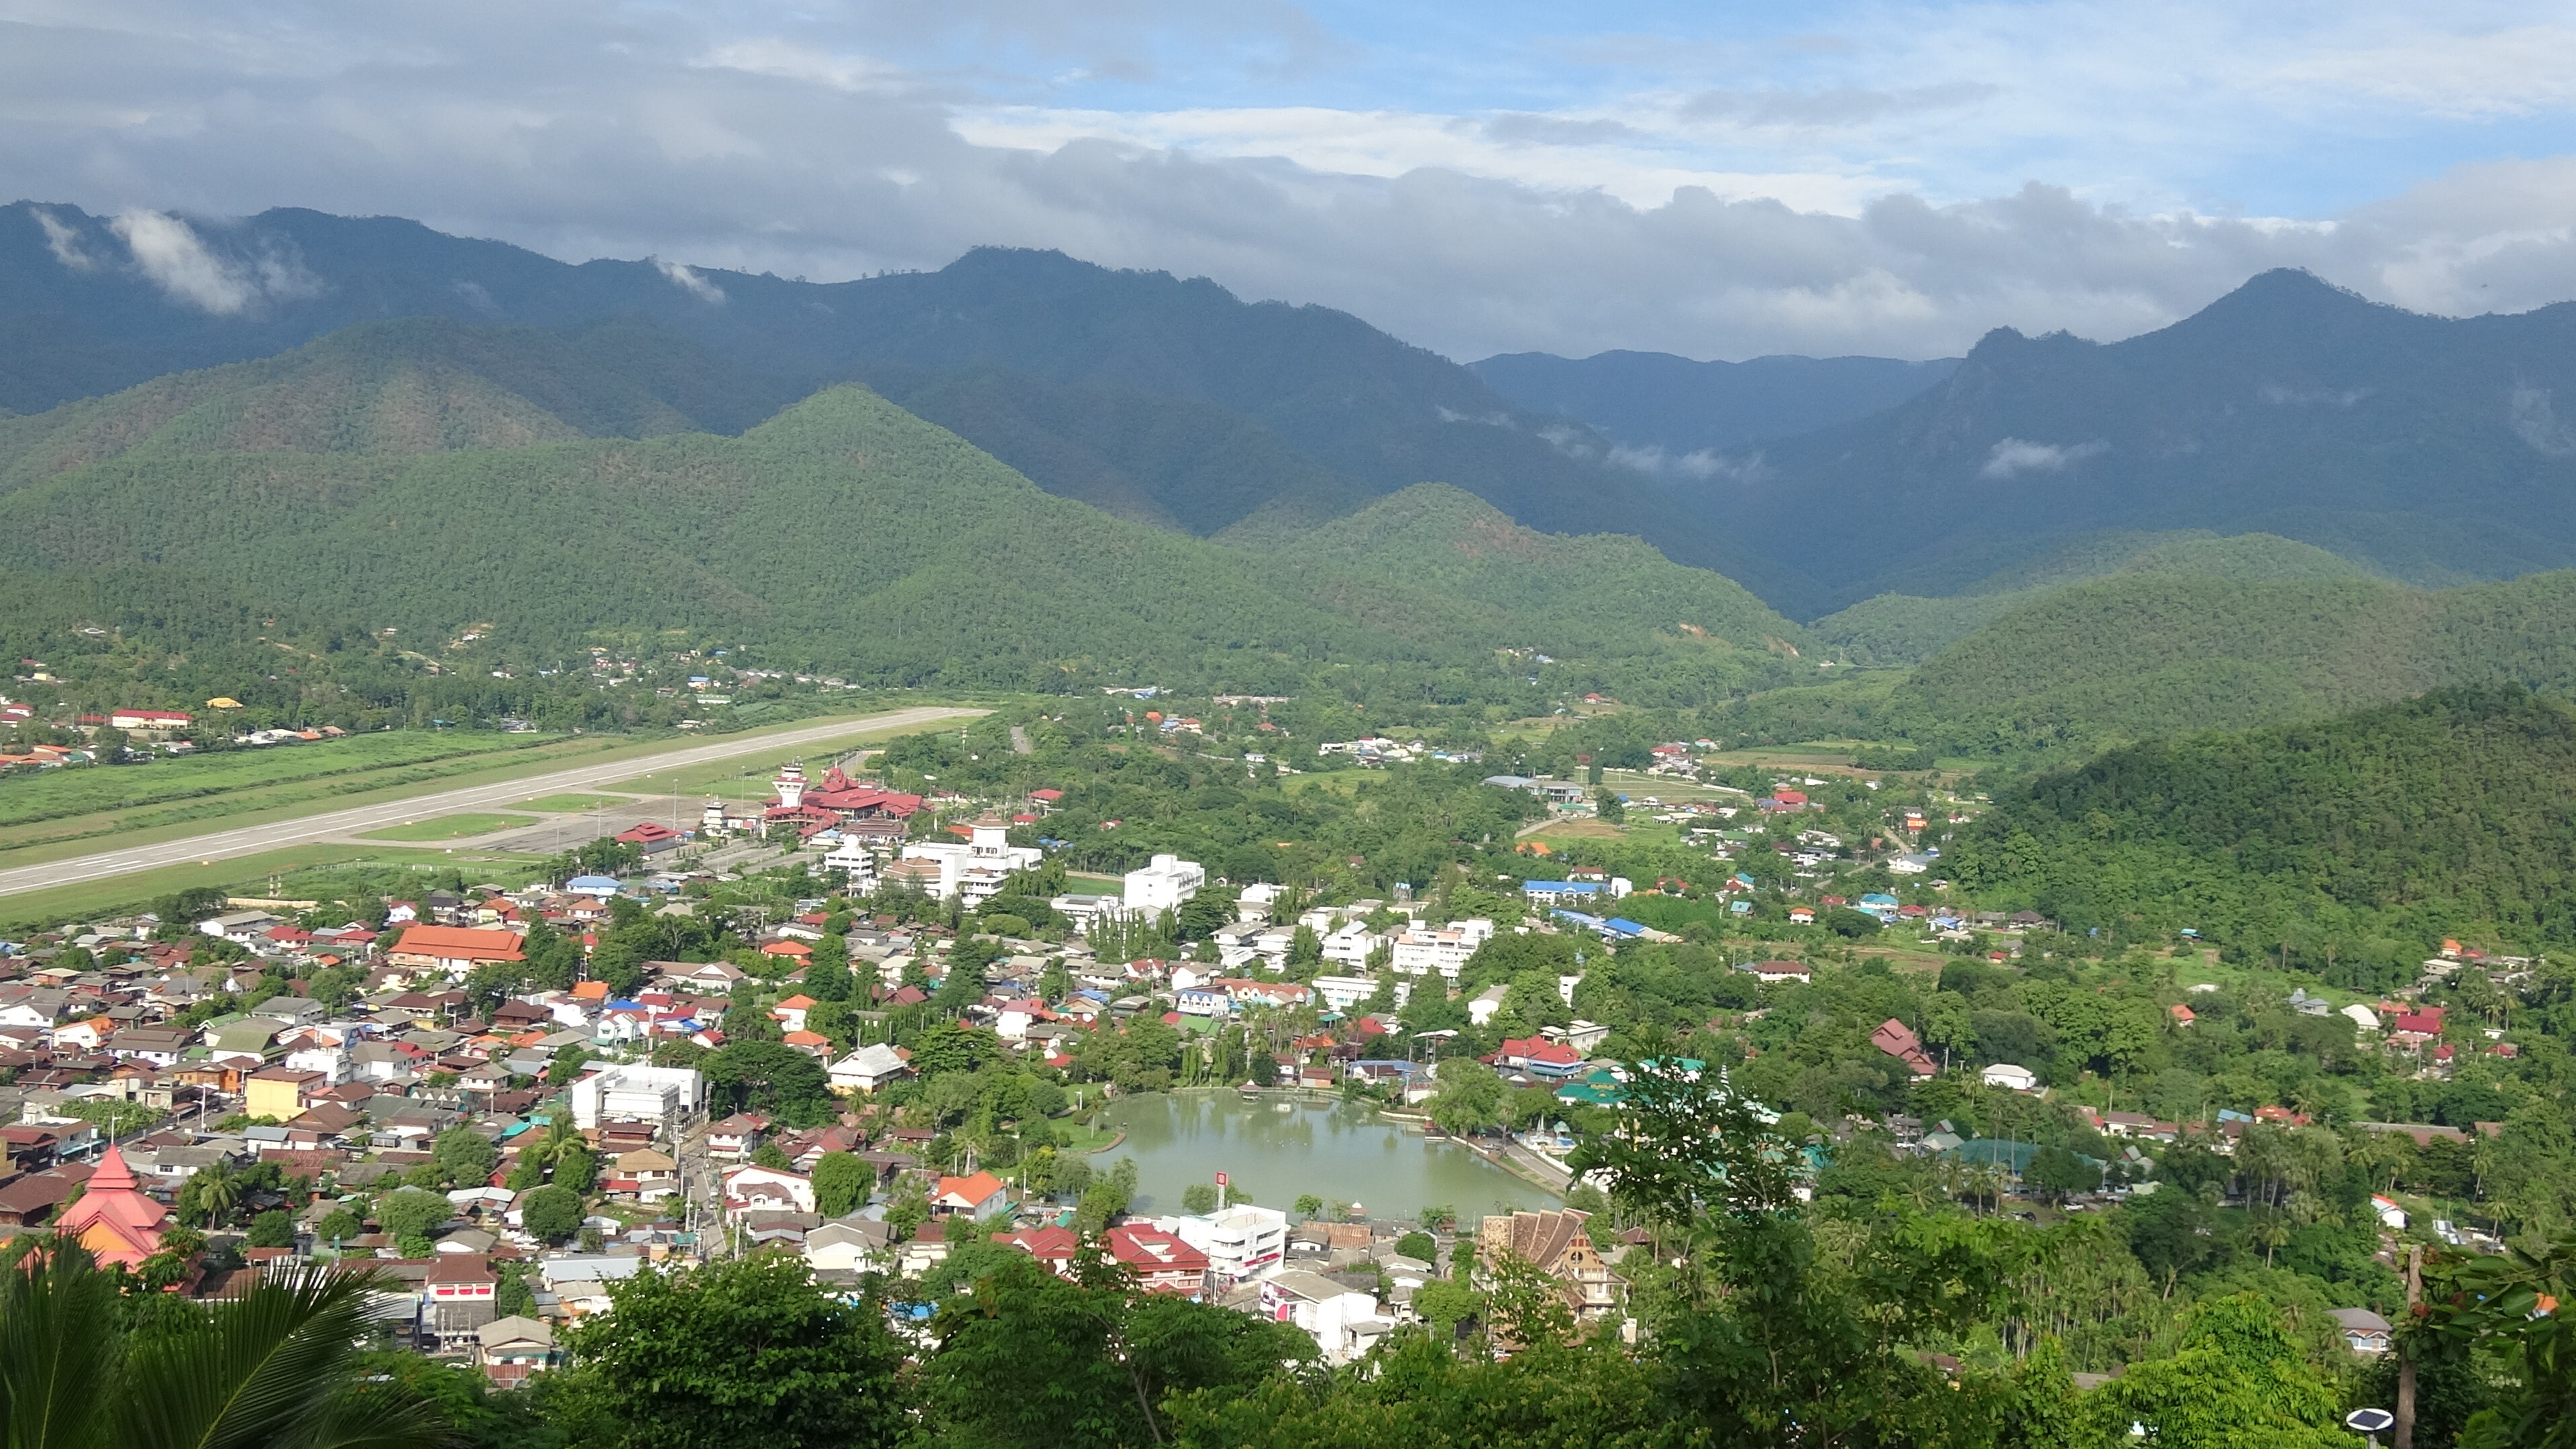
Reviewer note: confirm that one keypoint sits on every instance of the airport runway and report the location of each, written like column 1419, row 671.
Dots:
column 277, row 835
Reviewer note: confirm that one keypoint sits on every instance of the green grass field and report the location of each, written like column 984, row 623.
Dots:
column 452, row 827
column 578, row 804
column 48, row 795
column 1340, row 782
column 250, row 875
column 751, row 772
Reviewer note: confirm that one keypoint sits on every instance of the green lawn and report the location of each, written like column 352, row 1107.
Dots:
column 451, row 827
column 1340, row 782
column 250, row 875
column 46, row 795
column 752, row 770
column 579, row 804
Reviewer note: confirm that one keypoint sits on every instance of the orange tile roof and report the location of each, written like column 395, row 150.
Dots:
column 465, row 943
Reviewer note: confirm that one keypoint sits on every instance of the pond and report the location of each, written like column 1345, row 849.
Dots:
column 1336, row 1151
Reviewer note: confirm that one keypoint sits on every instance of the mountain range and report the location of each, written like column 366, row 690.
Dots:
column 417, row 478
column 2265, row 511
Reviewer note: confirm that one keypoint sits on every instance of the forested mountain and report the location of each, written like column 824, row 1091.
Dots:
column 2141, row 655
column 1657, row 400
column 1168, row 378
column 1435, row 559
column 2428, row 448
column 1900, row 628
column 2445, row 815
column 425, row 476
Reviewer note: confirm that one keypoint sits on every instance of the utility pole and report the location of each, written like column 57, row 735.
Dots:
column 2404, row 1434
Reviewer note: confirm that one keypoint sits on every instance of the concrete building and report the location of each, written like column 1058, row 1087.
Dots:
column 1241, row 1242
column 637, row 1093
column 973, row 871
column 1163, row 884
column 1444, row 949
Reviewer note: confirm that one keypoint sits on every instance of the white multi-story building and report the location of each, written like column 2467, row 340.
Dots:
column 1444, row 949
column 1254, row 904
column 636, row 1093
column 1165, row 883
column 1344, row 1323
column 1241, row 1242
column 972, row 871
column 1350, row 944
column 1242, row 946
column 1341, row 993
column 853, row 857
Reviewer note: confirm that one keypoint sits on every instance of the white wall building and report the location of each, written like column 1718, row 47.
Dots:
column 853, row 857
column 637, row 1093
column 1242, row 1242
column 1254, row 904
column 1345, row 1324
column 2011, row 1077
column 972, row 871
column 1444, row 949
column 1341, row 993
column 1164, row 884
column 1350, row 944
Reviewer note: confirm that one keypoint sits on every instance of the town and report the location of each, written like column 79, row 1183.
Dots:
column 895, row 1016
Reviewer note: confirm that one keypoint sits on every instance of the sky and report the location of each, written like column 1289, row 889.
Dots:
column 1717, row 180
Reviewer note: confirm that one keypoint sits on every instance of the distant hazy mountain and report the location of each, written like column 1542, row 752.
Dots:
column 1164, row 400
column 2430, row 449
column 1657, row 400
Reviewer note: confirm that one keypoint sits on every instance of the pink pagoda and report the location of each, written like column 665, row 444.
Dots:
column 114, row 1219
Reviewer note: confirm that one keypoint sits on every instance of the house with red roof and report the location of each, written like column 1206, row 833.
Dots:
column 980, row 1197
column 1539, row 1057
column 454, row 950
column 1899, row 1041
column 1051, row 1245
column 1161, row 1261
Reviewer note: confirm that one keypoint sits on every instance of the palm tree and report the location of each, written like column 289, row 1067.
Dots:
column 273, row 1369
column 218, row 1191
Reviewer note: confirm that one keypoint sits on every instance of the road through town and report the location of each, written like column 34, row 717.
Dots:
column 280, row 834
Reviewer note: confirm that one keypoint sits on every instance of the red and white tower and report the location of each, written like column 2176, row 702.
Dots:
column 790, row 785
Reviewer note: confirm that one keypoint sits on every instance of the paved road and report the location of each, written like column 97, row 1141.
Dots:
column 277, row 835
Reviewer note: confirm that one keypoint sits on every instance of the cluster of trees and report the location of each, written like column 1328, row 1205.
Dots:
column 2355, row 845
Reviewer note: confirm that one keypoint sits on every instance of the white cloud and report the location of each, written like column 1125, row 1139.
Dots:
column 2013, row 457
column 63, row 242
column 172, row 256
column 1700, row 465
column 170, row 253
column 1862, row 189
column 688, row 280
column 2535, row 420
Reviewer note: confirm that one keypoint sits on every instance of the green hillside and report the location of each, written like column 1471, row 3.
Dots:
column 2137, row 656
column 424, row 477
column 1178, row 464
column 418, row 385
column 2352, row 844
column 845, row 531
column 1578, row 592
column 1900, row 628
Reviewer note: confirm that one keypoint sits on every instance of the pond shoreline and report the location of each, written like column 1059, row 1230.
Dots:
column 1248, row 1128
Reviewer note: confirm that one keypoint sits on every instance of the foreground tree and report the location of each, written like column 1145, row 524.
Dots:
column 743, row 1354
column 276, row 1368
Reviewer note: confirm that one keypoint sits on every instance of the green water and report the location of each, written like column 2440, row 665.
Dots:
column 1337, row 1152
